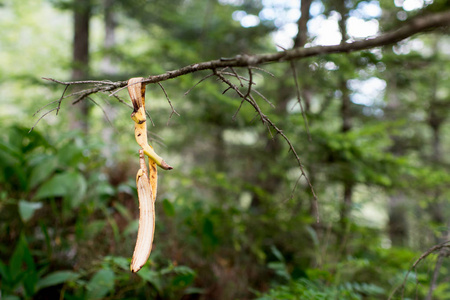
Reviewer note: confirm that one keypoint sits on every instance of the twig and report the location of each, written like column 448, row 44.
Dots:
column 201, row 80
column 104, row 112
column 36, row 112
column 263, row 70
column 226, row 90
column 42, row 118
column 249, row 90
column 80, row 82
column 123, row 102
column 265, row 99
column 247, row 97
column 237, row 76
column 61, row 98
column 170, row 103
column 437, row 267
column 297, row 88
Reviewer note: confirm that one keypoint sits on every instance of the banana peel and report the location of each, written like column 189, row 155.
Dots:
column 146, row 229
column 147, row 185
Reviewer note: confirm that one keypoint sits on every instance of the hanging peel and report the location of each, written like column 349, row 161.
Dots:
column 147, row 185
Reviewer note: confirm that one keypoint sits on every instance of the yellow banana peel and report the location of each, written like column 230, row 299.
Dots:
column 146, row 229
column 147, row 185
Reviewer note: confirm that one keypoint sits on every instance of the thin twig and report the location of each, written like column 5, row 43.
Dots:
column 263, row 70
column 41, row 108
column 297, row 88
column 249, row 90
column 104, row 112
column 226, row 90
column 237, row 76
column 61, row 98
column 266, row 120
column 201, row 80
column 264, row 98
column 122, row 101
column 170, row 103
column 41, row 118
column 97, row 82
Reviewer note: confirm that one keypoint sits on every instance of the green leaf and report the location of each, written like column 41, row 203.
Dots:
column 58, row 186
column 277, row 253
column 152, row 277
column 100, row 284
column 123, row 211
column 183, row 280
column 56, row 278
column 42, row 171
column 121, row 262
column 70, row 184
column 4, row 272
column 168, row 208
column 27, row 209
column 94, row 228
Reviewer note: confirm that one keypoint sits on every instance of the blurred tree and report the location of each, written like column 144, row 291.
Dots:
column 80, row 68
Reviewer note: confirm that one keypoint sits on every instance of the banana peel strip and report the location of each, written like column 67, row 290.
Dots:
column 146, row 229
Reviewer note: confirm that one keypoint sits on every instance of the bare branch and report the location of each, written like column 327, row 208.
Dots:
column 247, row 97
column 410, row 28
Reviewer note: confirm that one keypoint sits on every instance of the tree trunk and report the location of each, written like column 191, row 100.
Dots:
column 346, row 117
column 397, row 224
column 107, row 65
column 397, row 204
column 80, row 66
column 109, row 68
column 273, row 147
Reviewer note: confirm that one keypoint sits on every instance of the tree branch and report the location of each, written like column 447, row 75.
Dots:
column 412, row 27
column 435, row 248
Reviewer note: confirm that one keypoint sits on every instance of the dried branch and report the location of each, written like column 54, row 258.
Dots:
column 410, row 28
column 248, row 98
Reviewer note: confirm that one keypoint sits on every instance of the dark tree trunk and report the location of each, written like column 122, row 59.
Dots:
column 273, row 147
column 397, row 203
column 80, row 67
column 107, row 66
column 302, row 35
column 397, row 224
column 346, row 117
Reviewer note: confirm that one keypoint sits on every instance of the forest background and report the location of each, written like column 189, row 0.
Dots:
column 236, row 219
